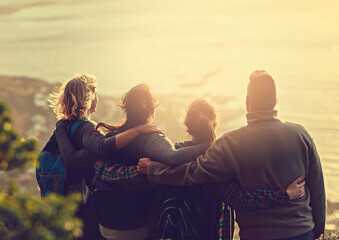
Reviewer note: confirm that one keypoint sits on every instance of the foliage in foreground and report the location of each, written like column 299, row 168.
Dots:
column 23, row 216
column 15, row 152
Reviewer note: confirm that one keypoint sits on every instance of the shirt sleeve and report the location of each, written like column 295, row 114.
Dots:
column 94, row 141
column 70, row 156
column 241, row 199
column 315, row 184
column 161, row 149
column 238, row 198
column 216, row 165
column 126, row 176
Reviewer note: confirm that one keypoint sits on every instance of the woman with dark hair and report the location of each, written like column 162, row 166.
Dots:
column 139, row 106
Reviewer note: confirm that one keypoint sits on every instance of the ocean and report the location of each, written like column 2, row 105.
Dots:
column 189, row 47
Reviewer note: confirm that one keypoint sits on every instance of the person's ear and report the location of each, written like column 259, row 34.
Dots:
column 247, row 104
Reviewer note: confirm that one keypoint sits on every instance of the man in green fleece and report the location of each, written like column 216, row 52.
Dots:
column 266, row 153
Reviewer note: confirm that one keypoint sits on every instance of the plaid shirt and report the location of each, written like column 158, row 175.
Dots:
column 234, row 197
column 126, row 176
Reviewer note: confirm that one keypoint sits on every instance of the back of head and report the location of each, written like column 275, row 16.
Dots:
column 201, row 120
column 74, row 98
column 261, row 92
column 138, row 104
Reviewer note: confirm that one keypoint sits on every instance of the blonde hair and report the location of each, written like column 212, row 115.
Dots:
column 201, row 120
column 74, row 97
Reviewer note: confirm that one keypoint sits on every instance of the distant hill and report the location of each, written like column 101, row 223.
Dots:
column 28, row 100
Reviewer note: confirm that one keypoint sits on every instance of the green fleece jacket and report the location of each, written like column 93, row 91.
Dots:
column 267, row 153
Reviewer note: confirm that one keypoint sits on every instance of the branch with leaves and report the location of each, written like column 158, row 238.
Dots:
column 23, row 216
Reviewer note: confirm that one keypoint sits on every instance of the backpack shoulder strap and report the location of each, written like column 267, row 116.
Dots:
column 76, row 125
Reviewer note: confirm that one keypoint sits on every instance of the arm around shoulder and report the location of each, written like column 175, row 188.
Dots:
column 70, row 156
column 160, row 148
column 213, row 166
column 104, row 146
column 124, row 138
column 96, row 142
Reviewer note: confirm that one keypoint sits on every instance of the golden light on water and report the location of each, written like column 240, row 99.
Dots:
column 166, row 42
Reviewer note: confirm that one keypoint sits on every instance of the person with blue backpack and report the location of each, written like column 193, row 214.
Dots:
column 74, row 102
column 120, row 172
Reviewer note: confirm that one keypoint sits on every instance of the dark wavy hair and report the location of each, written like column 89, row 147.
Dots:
column 138, row 105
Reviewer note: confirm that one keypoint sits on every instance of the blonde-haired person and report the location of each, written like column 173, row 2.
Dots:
column 76, row 100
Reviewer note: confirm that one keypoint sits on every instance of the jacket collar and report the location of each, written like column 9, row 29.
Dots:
column 262, row 117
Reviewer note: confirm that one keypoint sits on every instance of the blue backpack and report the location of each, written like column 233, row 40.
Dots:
column 50, row 172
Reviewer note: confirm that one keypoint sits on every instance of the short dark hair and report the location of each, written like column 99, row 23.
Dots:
column 261, row 91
